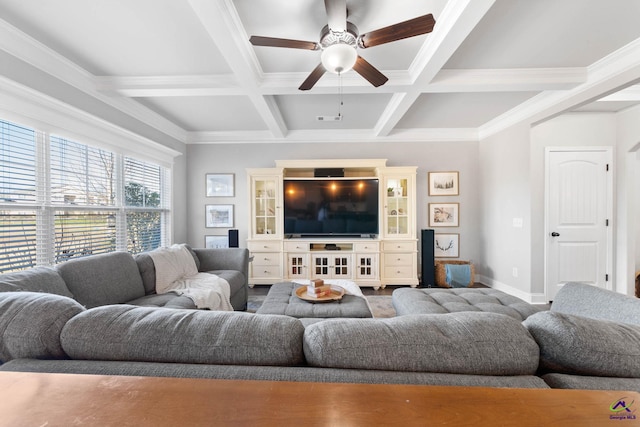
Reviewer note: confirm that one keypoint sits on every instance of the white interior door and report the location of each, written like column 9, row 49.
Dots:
column 578, row 218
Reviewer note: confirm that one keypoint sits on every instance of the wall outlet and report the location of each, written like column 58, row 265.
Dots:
column 518, row 222
column 514, row 272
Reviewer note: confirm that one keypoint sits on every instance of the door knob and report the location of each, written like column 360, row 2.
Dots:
column 555, row 234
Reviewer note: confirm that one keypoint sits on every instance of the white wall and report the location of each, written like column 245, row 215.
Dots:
column 505, row 195
column 628, row 140
column 236, row 158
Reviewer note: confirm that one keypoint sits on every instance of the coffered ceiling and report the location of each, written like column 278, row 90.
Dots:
column 187, row 69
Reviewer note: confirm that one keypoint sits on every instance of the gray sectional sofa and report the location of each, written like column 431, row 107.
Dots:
column 120, row 278
column 570, row 346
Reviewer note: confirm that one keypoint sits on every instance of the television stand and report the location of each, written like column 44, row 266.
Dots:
column 387, row 258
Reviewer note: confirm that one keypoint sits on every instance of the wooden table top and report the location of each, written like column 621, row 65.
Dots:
column 32, row 399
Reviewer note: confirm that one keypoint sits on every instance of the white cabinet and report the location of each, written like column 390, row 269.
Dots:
column 399, row 266
column 265, row 226
column 399, row 198
column 266, row 265
column 388, row 258
column 265, row 199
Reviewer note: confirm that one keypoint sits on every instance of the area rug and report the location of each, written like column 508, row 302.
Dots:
column 380, row 305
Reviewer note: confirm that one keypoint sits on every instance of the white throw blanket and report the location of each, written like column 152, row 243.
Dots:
column 350, row 288
column 176, row 272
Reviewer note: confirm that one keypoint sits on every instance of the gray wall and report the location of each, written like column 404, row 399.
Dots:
column 236, row 158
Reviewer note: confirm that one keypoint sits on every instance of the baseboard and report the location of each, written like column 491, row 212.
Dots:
column 531, row 298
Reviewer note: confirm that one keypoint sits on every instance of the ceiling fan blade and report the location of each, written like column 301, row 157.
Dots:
column 411, row 28
column 275, row 42
column 369, row 72
column 336, row 14
column 313, row 77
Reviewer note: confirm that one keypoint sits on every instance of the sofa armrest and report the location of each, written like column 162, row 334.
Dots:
column 224, row 259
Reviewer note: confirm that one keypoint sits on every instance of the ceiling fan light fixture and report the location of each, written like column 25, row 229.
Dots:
column 339, row 58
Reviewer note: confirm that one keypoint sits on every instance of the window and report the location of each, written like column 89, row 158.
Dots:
column 145, row 189
column 61, row 199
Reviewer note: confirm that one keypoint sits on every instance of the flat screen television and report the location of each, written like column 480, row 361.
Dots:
column 331, row 207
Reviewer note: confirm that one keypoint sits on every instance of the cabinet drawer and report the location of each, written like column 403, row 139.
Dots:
column 266, row 246
column 258, row 271
column 396, row 259
column 296, row 247
column 398, row 271
column 398, row 246
column 366, row 247
column 266, row 258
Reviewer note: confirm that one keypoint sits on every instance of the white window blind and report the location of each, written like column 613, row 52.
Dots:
column 17, row 240
column 61, row 199
column 79, row 234
column 17, row 163
column 80, row 174
column 145, row 197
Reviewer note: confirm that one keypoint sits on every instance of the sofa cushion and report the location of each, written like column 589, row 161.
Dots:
column 103, row 279
column 456, row 343
column 590, row 301
column 579, row 345
column 30, row 324
column 168, row 300
column 147, row 272
column 183, row 336
column 583, row 382
column 38, row 279
column 436, row 300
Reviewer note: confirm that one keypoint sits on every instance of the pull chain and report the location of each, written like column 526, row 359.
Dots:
column 340, row 95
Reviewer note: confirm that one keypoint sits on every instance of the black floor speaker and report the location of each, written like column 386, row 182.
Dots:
column 233, row 239
column 428, row 261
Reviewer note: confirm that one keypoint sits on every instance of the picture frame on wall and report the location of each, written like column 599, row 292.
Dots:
column 216, row 242
column 220, row 184
column 444, row 214
column 446, row 245
column 444, row 183
column 219, row 216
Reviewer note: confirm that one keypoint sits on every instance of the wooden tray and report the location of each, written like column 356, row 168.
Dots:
column 336, row 293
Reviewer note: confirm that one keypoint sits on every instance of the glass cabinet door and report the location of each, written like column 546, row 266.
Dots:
column 265, row 193
column 396, row 206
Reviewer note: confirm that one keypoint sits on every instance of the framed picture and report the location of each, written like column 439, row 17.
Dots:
column 219, row 216
column 219, row 184
column 443, row 184
column 444, row 214
column 446, row 245
column 216, row 242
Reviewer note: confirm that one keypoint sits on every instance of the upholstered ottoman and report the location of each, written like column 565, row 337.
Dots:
column 281, row 299
column 435, row 300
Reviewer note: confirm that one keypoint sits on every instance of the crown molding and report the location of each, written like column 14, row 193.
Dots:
column 48, row 114
column 36, row 54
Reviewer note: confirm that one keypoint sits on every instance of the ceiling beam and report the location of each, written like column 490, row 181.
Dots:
column 446, row 81
column 220, row 20
column 611, row 74
column 455, row 23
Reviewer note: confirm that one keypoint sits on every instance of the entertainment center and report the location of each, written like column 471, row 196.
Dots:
column 352, row 219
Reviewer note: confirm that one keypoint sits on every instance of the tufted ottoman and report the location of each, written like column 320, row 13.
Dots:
column 435, row 301
column 281, row 300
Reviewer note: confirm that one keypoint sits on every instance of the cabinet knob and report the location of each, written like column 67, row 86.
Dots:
column 266, row 271
column 398, row 259
column 265, row 247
